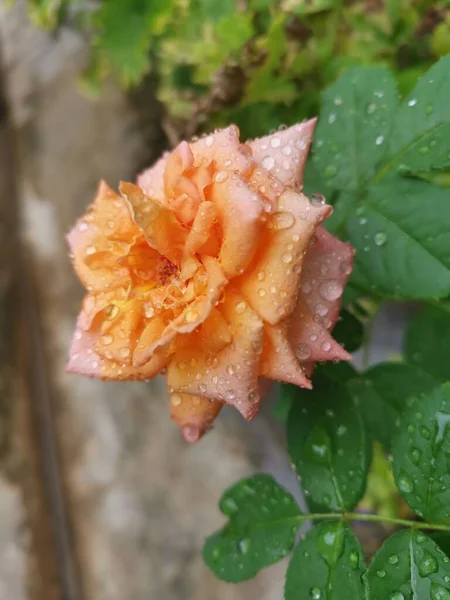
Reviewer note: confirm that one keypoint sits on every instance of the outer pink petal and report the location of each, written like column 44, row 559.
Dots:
column 223, row 146
column 278, row 360
column 100, row 238
column 310, row 340
column 284, row 153
column 327, row 267
column 83, row 360
column 231, row 375
column 193, row 414
column 271, row 284
column 152, row 179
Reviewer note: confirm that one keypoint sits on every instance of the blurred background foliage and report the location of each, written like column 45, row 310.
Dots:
column 258, row 63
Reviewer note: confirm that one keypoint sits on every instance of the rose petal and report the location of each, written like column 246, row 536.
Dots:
column 310, row 340
column 119, row 335
column 230, row 376
column 190, row 318
column 83, row 360
column 266, row 184
column 161, row 228
column 240, row 211
column 106, row 231
column 284, row 153
column 278, row 360
column 271, row 285
column 327, row 267
column 202, row 228
column 193, row 414
column 224, row 148
column 212, row 336
column 151, row 181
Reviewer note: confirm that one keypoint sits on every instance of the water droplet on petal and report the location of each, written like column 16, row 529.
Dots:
column 287, row 258
column 90, row 250
column 302, row 351
column 209, row 141
column 318, row 199
column 107, row 339
column 281, row 220
column 175, row 399
column 124, row 352
column 331, row 290
column 220, row 176
column 268, row 162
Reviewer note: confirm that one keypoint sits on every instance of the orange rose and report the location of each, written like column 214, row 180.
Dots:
column 213, row 269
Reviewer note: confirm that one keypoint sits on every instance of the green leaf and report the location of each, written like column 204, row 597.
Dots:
column 126, row 29
column 427, row 342
column 421, row 451
column 263, row 523
column 349, row 331
column 327, row 564
column 409, row 566
column 381, row 393
column 420, row 135
column 342, row 207
column 355, row 121
column 402, row 236
column 442, row 539
column 328, row 445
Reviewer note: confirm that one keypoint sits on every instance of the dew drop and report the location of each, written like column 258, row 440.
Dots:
column 287, row 150
column 425, row 432
column 428, row 565
column 287, row 258
column 275, row 142
column 428, row 109
column 379, row 140
column 412, row 102
column 326, row 346
column 424, row 150
column 107, row 339
column 380, row 238
column 381, row 574
column 220, row 176
column 315, row 593
column 393, row 559
column 228, row 506
column 414, row 455
column 244, row 545
column 261, row 292
column 175, row 399
column 191, row 316
column 332, row 118
column 337, row 101
column 405, row 483
column 83, row 226
column 397, row 596
column 240, row 307
column 268, row 162
column 354, row 559
column 90, row 250
column 202, row 388
column 302, row 351
column 439, row 592
column 317, row 199
column 371, row 108
column 331, row 290
column 230, row 370
column 124, row 352
column 281, row 220
column 209, row 141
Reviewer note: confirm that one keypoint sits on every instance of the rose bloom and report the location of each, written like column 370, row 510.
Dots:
column 213, row 269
